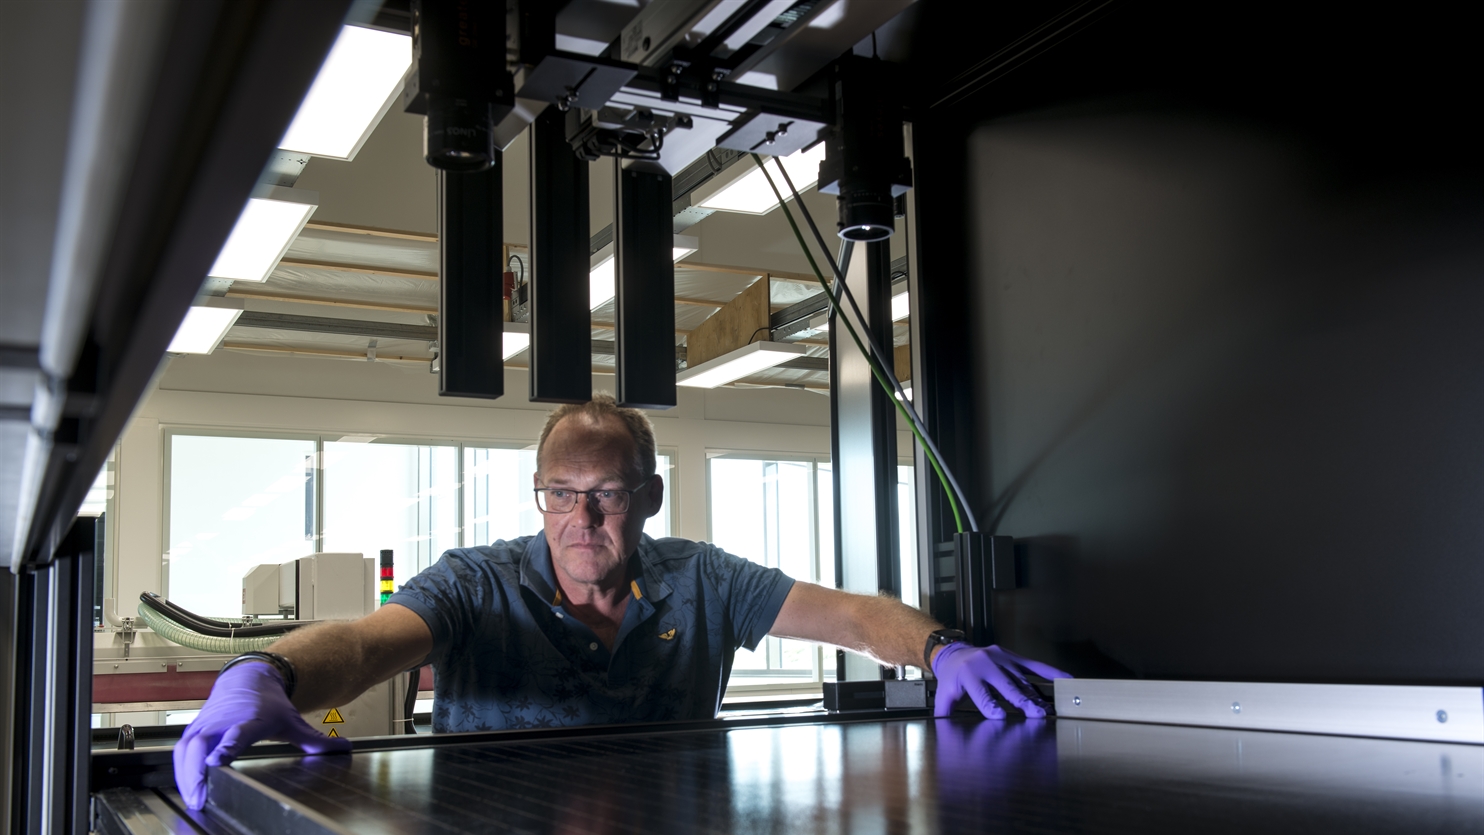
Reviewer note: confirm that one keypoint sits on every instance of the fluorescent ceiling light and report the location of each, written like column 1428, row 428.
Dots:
column 600, row 286
column 517, row 338
column 740, row 363
column 907, row 390
column 602, row 277
column 269, row 222
column 357, row 83
column 900, row 309
column 204, row 326
column 750, row 192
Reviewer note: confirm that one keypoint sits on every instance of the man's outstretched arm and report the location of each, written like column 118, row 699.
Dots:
column 333, row 664
column 339, row 660
column 896, row 634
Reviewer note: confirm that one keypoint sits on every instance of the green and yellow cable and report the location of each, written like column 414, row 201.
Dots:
column 876, row 370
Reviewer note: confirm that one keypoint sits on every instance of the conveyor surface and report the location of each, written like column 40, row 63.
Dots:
column 913, row 775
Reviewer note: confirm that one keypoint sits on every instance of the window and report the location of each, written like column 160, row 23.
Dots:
column 382, row 495
column 237, row 502
column 907, row 533
column 498, row 502
column 780, row 512
column 234, row 503
column 775, row 512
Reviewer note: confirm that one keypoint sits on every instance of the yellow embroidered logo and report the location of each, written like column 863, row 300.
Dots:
column 668, row 636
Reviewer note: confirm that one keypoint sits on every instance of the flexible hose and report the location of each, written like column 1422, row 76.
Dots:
column 175, row 633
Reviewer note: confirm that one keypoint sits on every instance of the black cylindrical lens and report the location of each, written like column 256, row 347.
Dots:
column 458, row 135
column 866, row 216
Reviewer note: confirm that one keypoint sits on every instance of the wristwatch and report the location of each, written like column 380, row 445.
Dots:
column 285, row 668
column 939, row 638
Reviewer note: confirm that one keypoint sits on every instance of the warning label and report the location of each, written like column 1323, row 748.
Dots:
column 333, row 718
column 332, row 733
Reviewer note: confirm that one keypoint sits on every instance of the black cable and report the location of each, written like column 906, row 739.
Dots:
column 517, row 259
column 758, row 331
column 409, row 702
column 216, row 628
column 882, row 357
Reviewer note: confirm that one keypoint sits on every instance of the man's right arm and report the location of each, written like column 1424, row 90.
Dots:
column 338, row 661
column 333, row 664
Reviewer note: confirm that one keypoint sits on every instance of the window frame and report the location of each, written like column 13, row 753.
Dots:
column 793, row 682
column 320, row 439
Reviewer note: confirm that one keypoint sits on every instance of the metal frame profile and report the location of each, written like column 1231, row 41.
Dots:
column 561, row 367
column 470, row 292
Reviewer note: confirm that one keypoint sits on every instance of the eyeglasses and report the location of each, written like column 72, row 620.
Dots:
column 562, row 500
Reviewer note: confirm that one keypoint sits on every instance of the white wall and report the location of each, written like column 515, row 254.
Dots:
column 263, row 393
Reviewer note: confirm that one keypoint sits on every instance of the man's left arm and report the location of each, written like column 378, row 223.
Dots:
column 895, row 634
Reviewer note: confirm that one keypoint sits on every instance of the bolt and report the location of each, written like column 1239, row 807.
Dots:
column 1442, row 716
column 1076, row 700
column 1236, row 707
column 711, row 86
column 783, row 130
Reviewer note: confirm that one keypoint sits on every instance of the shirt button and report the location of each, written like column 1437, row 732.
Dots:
column 593, row 646
column 559, row 614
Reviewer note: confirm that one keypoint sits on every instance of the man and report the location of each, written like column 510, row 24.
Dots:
column 588, row 622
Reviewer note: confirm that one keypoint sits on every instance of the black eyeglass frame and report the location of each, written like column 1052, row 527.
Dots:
column 586, row 496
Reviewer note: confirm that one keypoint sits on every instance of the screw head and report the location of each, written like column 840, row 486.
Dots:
column 1236, row 707
column 1442, row 716
column 1076, row 700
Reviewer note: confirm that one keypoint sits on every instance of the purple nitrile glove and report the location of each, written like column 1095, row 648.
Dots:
column 981, row 672
column 247, row 704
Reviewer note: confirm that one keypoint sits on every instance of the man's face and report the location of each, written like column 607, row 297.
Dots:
column 589, row 547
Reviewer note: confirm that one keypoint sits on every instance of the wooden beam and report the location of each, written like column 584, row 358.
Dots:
column 352, row 268
column 374, row 231
column 902, row 362
column 731, row 327
column 720, row 268
column 393, row 308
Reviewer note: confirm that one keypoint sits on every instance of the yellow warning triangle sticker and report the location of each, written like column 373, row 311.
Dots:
column 333, row 718
column 332, row 733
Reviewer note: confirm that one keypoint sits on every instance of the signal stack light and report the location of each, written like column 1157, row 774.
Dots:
column 386, row 576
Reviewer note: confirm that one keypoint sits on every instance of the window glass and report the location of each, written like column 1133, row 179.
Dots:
column 234, row 503
column 907, row 533
column 397, row 496
column 766, row 510
column 658, row 525
column 498, row 502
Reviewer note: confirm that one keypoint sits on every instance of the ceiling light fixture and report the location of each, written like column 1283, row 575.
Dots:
column 747, row 360
column 600, row 280
column 900, row 307
column 270, row 221
column 205, row 325
column 355, row 87
column 749, row 192
column 516, row 338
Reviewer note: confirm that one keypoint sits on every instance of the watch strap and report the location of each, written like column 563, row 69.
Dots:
column 284, row 667
column 938, row 638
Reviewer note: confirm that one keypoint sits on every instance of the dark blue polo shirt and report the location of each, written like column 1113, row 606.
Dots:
column 507, row 655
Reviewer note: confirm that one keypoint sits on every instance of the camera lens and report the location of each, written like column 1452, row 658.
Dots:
column 458, row 135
